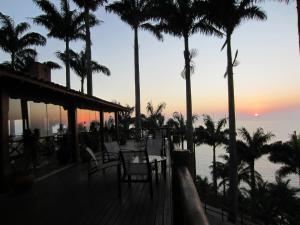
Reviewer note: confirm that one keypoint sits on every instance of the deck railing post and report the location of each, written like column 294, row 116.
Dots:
column 4, row 151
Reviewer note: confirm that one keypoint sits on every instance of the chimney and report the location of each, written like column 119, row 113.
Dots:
column 41, row 71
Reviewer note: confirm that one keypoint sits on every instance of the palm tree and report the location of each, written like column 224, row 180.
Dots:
column 277, row 203
column 287, row 154
column 136, row 13
column 64, row 24
column 182, row 19
column 252, row 148
column 212, row 134
column 228, row 15
column 222, row 172
column 78, row 64
column 16, row 43
column 88, row 5
column 155, row 118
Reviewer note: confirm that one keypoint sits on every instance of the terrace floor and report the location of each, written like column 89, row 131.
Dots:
column 68, row 198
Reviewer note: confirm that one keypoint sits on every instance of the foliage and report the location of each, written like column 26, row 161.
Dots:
column 17, row 43
column 287, row 154
column 214, row 135
column 78, row 64
column 155, row 117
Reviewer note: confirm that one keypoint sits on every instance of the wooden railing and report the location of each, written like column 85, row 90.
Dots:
column 187, row 206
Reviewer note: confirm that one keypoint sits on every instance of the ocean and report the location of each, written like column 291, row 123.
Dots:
column 280, row 127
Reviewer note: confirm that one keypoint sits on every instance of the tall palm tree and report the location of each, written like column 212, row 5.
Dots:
column 78, row 64
column 252, row 148
column 89, row 5
column 16, row 43
column 229, row 14
column 287, row 154
column 183, row 19
column 136, row 13
column 64, row 24
column 212, row 134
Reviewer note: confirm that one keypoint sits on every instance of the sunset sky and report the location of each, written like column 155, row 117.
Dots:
column 266, row 81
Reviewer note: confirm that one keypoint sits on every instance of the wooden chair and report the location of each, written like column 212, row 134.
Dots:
column 136, row 168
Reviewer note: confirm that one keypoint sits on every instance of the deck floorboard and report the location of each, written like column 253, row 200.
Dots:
column 68, row 198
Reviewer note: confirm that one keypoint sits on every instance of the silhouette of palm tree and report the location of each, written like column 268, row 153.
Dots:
column 212, row 134
column 89, row 5
column 228, row 14
column 252, row 148
column 17, row 44
column 182, row 19
column 288, row 154
column 155, row 118
column 136, row 13
column 64, row 24
column 78, row 64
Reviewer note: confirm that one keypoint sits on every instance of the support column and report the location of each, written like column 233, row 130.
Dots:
column 73, row 134
column 4, row 151
column 117, row 126
column 102, row 129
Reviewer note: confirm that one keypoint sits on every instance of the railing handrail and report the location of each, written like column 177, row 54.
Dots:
column 194, row 213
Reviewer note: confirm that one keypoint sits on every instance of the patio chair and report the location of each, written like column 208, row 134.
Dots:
column 111, row 152
column 94, row 163
column 157, row 154
column 136, row 168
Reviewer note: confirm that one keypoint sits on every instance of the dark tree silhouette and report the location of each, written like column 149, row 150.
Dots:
column 229, row 14
column 78, row 64
column 136, row 13
column 64, row 24
column 214, row 135
column 17, row 44
column 287, row 154
column 252, row 148
column 89, row 5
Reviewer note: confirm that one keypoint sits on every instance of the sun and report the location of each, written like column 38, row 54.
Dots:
column 256, row 114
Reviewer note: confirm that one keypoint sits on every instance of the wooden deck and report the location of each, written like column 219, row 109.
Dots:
column 67, row 198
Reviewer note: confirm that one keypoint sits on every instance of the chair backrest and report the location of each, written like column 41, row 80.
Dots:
column 93, row 164
column 154, row 146
column 135, row 162
column 112, row 147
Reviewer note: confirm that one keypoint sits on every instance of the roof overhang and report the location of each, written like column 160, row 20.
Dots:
column 23, row 86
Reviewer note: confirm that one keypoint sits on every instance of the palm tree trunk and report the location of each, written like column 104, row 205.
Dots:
column 189, row 132
column 137, row 81
column 13, row 60
column 233, row 193
column 252, row 171
column 82, row 85
column 68, row 82
column 214, row 171
column 298, row 12
column 88, row 51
